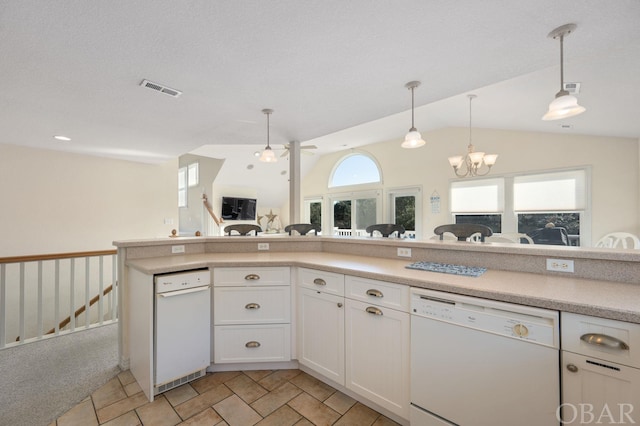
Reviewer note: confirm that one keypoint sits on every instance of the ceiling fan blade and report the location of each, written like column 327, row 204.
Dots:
column 309, row 147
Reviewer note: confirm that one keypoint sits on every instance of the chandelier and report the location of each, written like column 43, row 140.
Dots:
column 472, row 163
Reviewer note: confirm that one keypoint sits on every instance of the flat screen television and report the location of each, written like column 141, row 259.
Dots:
column 238, row 208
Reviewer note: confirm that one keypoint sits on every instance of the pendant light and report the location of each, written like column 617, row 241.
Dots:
column 564, row 105
column 413, row 139
column 473, row 160
column 268, row 156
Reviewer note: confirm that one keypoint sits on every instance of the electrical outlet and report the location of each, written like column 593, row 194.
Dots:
column 263, row 246
column 177, row 249
column 404, row 252
column 560, row 265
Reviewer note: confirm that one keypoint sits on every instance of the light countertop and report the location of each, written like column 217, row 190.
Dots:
column 614, row 300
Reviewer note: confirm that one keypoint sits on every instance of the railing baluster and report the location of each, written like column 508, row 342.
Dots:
column 100, row 290
column 115, row 289
column 3, row 304
column 87, row 291
column 56, row 308
column 72, row 295
column 40, row 308
column 22, row 302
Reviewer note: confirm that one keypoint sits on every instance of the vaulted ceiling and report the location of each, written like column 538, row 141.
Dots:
column 333, row 71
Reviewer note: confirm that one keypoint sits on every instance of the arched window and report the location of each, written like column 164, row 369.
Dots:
column 355, row 169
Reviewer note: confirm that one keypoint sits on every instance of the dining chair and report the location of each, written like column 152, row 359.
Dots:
column 619, row 240
column 464, row 231
column 385, row 229
column 243, row 229
column 510, row 237
column 302, row 228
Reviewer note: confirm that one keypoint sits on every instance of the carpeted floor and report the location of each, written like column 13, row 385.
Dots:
column 40, row 381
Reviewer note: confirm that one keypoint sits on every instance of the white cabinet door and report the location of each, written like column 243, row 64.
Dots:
column 321, row 333
column 377, row 355
column 599, row 392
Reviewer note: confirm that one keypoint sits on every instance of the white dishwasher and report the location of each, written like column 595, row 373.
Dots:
column 477, row 362
column 182, row 328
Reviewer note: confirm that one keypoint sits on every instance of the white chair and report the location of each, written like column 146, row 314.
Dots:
column 509, row 237
column 619, row 240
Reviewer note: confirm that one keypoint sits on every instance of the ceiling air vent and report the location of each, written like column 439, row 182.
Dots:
column 160, row 88
column 572, row 88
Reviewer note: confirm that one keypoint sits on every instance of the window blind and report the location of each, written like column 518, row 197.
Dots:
column 557, row 191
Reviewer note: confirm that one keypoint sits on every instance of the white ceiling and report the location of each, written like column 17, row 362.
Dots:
column 333, row 71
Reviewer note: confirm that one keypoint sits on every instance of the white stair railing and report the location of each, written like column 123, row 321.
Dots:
column 49, row 295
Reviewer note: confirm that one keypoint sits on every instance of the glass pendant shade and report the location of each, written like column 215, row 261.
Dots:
column 413, row 139
column 563, row 107
column 490, row 159
column 268, row 156
column 456, row 161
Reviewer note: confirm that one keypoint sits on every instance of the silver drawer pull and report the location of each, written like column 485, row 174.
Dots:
column 252, row 344
column 604, row 341
column 252, row 306
column 374, row 311
column 252, row 277
column 374, row 293
column 319, row 281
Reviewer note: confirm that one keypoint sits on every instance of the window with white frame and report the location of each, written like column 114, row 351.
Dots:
column 188, row 177
column 405, row 208
column 313, row 210
column 478, row 201
column 355, row 169
column 527, row 203
column 352, row 213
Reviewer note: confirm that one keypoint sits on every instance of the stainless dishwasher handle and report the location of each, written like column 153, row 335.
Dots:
column 252, row 306
column 319, row 281
column 374, row 311
column 185, row 291
column 252, row 277
column 252, row 344
column 374, row 293
column 603, row 340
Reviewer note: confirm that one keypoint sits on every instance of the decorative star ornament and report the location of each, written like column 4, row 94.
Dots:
column 271, row 216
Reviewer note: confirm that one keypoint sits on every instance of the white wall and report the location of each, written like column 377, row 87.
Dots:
column 614, row 161
column 55, row 202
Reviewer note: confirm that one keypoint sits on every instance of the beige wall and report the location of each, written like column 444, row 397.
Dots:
column 59, row 202
column 614, row 163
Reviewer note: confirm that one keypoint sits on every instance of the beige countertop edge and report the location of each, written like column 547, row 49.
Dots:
column 613, row 300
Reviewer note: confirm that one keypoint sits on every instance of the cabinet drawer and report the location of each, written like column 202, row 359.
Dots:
column 327, row 282
column 252, row 276
column 615, row 341
column 251, row 343
column 250, row 305
column 380, row 293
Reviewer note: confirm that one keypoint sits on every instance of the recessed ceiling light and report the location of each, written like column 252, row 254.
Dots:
column 62, row 138
column 249, row 166
column 257, row 154
column 566, row 126
column 284, row 172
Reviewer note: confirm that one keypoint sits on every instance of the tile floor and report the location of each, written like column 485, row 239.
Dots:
column 265, row 397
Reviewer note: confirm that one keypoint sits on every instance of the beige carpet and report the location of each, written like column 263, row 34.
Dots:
column 40, row 381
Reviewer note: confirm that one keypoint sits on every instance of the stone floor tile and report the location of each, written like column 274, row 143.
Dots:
column 117, row 409
column 385, row 421
column 206, row 418
column 132, row 388
column 360, row 415
column 180, row 394
column 107, row 394
column 340, row 402
column 236, row 412
column 203, row 401
column 245, row 388
column 275, row 399
column 257, row 375
column 158, row 413
column 130, row 418
column 313, row 386
column 278, row 378
column 304, row 422
column 212, row 380
column 80, row 415
column 283, row 416
column 314, row 410
column 126, row 377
